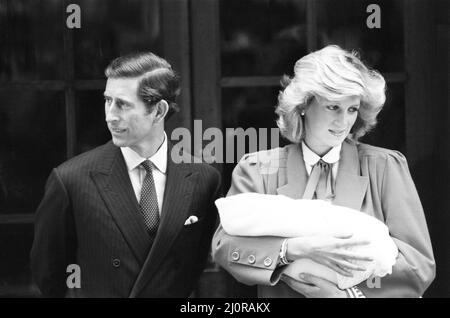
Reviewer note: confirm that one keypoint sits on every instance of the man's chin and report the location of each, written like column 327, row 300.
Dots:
column 119, row 142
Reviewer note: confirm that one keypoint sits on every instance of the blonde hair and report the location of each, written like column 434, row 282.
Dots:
column 331, row 73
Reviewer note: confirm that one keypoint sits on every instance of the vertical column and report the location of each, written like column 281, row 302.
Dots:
column 311, row 24
column 69, row 92
column 205, row 32
column 421, row 111
column 176, row 49
column 419, row 57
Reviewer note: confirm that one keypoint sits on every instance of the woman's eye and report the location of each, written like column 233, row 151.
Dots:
column 332, row 107
column 353, row 109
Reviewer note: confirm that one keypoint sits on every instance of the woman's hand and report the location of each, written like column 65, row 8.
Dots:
column 330, row 251
column 314, row 287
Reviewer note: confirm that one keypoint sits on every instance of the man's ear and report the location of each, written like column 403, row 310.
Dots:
column 162, row 107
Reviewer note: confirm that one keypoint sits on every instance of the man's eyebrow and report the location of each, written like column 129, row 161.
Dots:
column 124, row 101
column 118, row 99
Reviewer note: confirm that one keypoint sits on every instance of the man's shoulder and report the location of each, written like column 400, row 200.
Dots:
column 192, row 163
column 205, row 171
column 87, row 160
column 205, row 176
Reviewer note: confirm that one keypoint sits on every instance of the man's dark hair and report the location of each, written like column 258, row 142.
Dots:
column 158, row 81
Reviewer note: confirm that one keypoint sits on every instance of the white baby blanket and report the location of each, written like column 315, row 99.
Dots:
column 254, row 214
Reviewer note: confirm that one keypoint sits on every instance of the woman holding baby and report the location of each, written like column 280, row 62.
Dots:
column 332, row 100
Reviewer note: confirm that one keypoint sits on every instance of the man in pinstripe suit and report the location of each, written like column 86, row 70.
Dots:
column 130, row 237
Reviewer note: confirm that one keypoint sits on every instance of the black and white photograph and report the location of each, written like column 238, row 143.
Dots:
column 236, row 150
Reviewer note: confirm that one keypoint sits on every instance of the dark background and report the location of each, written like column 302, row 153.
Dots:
column 231, row 55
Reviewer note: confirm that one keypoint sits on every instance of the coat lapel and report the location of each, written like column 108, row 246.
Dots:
column 296, row 174
column 114, row 185
column 180, row 184
column 350, row 185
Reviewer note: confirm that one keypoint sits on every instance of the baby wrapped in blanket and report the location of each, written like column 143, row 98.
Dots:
column 254, row 214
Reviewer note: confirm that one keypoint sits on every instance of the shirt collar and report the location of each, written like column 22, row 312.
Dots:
column 159, row 158
column 311, row 158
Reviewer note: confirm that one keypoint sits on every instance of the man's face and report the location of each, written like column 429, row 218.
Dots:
column 126, row 115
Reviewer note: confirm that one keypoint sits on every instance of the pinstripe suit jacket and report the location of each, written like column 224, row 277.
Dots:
column 89, row 216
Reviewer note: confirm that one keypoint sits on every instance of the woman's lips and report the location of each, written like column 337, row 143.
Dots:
column 337, row 132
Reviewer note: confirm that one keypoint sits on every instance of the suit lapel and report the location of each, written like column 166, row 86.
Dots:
column 114, row 185
column 180, row 184
column 296, row 174
column 350, row 185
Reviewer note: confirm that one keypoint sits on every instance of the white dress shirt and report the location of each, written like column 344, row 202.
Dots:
column 137, row 172
column 332, row 157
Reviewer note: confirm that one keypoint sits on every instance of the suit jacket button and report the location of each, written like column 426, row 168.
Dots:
column 116, row 262
column 251, row 259
column 267, row 262
column 235, row 256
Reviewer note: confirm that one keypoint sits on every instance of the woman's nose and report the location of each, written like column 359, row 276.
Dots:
column 340, row 118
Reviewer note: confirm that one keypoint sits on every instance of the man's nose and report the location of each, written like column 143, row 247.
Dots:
column 111, row 113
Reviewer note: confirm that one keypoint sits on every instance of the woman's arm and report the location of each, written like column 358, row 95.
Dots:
column 255, row 260
column 250, row 260
column 415, row 267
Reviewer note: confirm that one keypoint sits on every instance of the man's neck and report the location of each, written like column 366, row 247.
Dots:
column 149, row 148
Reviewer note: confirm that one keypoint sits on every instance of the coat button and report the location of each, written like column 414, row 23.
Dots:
column 251, row 259
column 235, row 256
column 267, row 262
column 116, row 262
